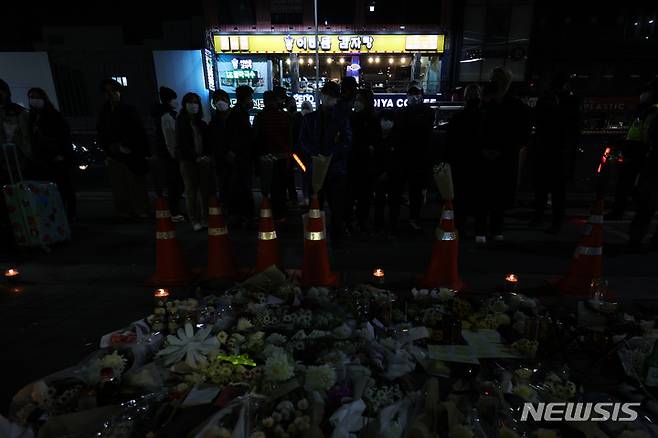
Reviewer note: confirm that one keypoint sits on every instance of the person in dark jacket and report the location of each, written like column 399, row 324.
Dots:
column 295, row 128
column 272, row 144
column 326, row 131
column 14, row 124
column 164, row 119
column 217, row 138
column 348, row 90
column 556, row 116
column 123, row 138
column 52, row 148
column 239, row 155
column 196, row 166
column 416, row 124
column 647, row 186
column 464, row 141
column 505, row 129
column 388, row 173
column 361, row 170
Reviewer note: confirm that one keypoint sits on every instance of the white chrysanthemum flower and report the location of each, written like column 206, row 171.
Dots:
column 320, row 377
column 279, row 367
column 446, row 294
column 243, row 325
column 189, row 346
column 114, row 361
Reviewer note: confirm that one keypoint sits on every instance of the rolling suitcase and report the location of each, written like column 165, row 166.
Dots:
column 36, row 210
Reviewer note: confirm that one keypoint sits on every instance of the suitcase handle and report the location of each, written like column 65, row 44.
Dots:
column 14, row 148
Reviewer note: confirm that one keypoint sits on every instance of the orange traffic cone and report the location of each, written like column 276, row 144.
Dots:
column 170, row 269
column 221, row 263
column 586, row 264
column 267, row 251
column 442, row 271
column 315, row 267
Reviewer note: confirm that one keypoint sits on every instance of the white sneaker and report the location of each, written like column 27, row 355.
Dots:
column 481, row 239
column 197, row 227
column 178, row 218
column 499, row 237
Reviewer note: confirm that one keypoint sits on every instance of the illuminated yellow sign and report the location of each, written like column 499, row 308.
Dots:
column 328, row 43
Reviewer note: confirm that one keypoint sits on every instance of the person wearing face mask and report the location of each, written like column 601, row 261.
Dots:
column 239, row 156
column 217, row 138
column 272, row 139
column 327, row 131
column 194, row 154
column 361, row 166
column 416, row 123
column 52, row 147
column 463, row 142
column 14, row 124
column 168, row 175
column 123, row 138
column 388, row 173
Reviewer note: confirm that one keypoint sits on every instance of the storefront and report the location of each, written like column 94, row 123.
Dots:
column 386, row 63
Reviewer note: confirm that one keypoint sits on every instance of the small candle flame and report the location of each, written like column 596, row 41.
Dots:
column 16, row 290
column 378, row 273
column 161, row 293
column 512, row 278
column 11, row 272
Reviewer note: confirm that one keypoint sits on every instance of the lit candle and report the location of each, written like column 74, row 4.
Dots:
column 161, row 296
column 378, row 276
column 511, row 282
column 12, row 275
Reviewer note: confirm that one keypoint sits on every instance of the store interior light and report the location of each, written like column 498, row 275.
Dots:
column 309, row 61
column 341, row 60
column 371, row 60
column 301, row 61
column 372, row 8
column 636, row 23
column 403, row 60
column 330, row 60
column 377, row 59
column 288, row 61
column 651, row 21
column 391, row 60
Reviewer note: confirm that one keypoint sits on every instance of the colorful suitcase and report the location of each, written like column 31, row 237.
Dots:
column 36, row 210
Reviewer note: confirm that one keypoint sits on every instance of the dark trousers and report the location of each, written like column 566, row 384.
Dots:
column 634, row 159
column 278, row 186
column 62, row 176
column 491, row 219
column 388, row 191
column 647, row 203
column 241, row 200
column 551, row 178
column 415, row 180
column 174, row 185
column 334, row 192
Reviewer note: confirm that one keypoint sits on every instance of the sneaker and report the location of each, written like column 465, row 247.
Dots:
column 498, row 237
column 414, row 225
column 178, row 218
column 481, row 240
column 197, row 227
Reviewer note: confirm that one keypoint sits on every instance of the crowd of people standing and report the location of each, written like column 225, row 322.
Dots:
column 380, row 159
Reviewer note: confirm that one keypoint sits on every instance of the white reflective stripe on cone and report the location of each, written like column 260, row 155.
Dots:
column 590, row 250
column 214, row 211
column 596, row 219
column 448, row 214
column 267, row 235
column 314, row 235
column 314, row 213
column 265, row 212
column 445, row 235
column 161, row 214
column 165, row 235
column 217, row 231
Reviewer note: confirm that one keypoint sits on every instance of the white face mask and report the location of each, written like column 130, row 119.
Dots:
column 221, row 106
column 359, row 106
column 37, row 103
column 192, row 108
column 173, row 104
column 387, row 125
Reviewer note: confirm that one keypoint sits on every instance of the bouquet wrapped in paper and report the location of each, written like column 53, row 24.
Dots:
column 320, row 167
column 443, row 179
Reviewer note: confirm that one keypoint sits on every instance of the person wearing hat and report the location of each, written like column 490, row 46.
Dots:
column 416, row 123
column 164, row 117
column 326, row 131
column 123, row 138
